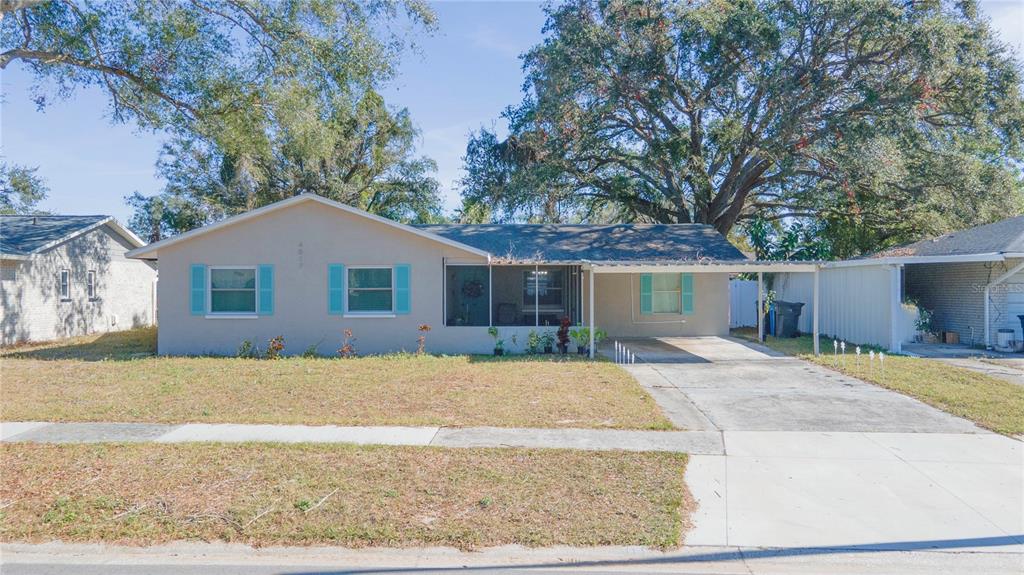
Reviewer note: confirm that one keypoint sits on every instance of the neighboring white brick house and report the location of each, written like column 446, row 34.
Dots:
column 62, row 276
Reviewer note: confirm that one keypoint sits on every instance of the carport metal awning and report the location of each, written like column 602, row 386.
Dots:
column 698, row 266
column 709, row 266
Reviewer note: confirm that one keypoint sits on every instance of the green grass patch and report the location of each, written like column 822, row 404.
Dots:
column 989, row 402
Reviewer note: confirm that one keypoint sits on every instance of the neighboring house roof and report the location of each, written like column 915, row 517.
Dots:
column 1006, row 236
column 152, row 250
column 24, row 236
column 593, row 243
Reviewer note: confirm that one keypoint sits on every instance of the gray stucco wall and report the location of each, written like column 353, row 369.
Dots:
column 301, row 240
column 955, row 293
column 30, row 305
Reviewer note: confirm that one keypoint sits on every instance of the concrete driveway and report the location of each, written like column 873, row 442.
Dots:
column 739, row 386
column 816, row 459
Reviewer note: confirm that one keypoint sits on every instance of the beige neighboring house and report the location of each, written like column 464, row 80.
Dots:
column 62, row 276
column 307, row 268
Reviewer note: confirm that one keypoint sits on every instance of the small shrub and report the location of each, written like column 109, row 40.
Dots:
column 274, row 347
column 245, row 349
column 421, row 341
column 311, row 351
column 303, row 505
column 348, row 345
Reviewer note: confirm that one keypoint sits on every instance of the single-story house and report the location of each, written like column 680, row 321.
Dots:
column 308, row 268
column 63, row 276
column 972, row 281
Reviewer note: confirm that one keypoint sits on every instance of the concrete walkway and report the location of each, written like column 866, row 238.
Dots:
column 693, row 442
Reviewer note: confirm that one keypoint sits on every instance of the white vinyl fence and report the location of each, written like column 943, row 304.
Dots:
column 742, row 303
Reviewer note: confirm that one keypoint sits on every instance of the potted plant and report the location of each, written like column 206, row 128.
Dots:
column 548, row 341
column 563, row 335
column 499, row 344
column 533, row 340
column 581, row 337
column 923, row 324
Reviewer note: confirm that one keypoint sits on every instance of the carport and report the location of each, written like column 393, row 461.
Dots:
column 707, row 267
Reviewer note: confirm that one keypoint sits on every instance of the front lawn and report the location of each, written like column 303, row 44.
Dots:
column 63, row 382
column 987, row 401
column 143, row 494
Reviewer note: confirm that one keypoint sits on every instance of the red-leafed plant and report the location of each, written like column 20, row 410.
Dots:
column 563, row 334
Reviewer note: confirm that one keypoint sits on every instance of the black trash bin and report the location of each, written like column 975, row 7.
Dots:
column 1021, row 318
column 787, row 318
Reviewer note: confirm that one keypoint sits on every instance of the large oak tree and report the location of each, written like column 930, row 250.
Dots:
column 883, row 118
column 261, row 99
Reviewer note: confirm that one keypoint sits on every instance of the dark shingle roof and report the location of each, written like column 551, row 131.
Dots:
column 604, row 242
column 22, row 235
column 1006, row 236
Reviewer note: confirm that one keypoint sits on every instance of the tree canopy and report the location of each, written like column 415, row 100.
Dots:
column 21, row 190
column 881, row 120
column 261, row 99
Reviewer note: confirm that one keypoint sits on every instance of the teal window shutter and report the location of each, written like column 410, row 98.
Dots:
column 335, row 289
column 645, row 293
column 686, row 280
column 197, row 292
column 265, row 304
column 402, row 303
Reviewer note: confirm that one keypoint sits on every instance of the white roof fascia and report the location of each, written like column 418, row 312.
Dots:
column 902, row 260
column 724, row 267
column 153, row 248
column 12, row 257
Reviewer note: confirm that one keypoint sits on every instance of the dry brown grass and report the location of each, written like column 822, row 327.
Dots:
column 987, row 401
column 63, row 382
column 141, row 494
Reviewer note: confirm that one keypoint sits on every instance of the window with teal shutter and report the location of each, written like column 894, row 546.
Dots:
column 687, row 281
column 402, row 296
column 198, row 289
column 335, row 289
column 646, row 293
column 266, row 283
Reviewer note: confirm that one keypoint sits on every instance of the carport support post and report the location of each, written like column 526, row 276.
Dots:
column 590, row 322
column 760, row 307
column 817, row 345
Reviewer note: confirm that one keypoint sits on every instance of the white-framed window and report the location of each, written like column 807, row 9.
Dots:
column 90, row 284
column 370, row 290
column 666, row 293
column 65, row 285
column 233, row 289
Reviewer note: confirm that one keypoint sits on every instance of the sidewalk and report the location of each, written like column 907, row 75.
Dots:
column 692, row 442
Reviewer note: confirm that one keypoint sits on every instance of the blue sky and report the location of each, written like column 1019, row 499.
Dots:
column 461, row 78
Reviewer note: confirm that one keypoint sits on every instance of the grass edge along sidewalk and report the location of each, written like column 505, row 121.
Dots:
column 354, row 496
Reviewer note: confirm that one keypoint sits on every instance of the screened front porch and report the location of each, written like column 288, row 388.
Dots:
column 512, row 295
